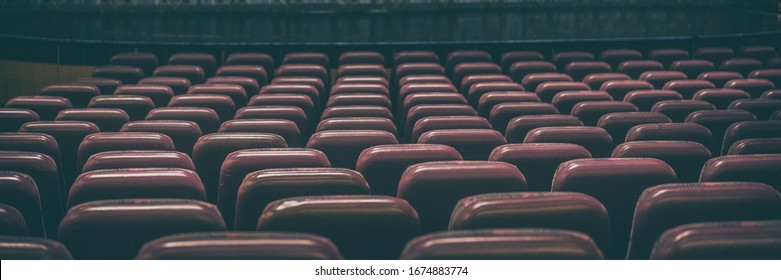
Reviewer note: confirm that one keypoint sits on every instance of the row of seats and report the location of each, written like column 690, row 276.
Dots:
column 205, row 146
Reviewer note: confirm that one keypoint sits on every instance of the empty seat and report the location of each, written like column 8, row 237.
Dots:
column 194, row 74
column 717, row 121
column 235, row 92
column 421, row 111
column 211, row 150
column 772, row 75
column 434, row 188
column 518, row 127
column 619, row 89
column 257, row 73
column 285, row 128
column 243, row 164
column 127, row 74
column 595, row 81
column 69, row 135
column 744, row 66
column 43, row 171
column 720, row 97
column 315, row 58
column 477, row 90
column 693, row 68
column 687, row 88
column 159, row 94
column 658, row 79
column 107, row 119
column 359, row 123
column 663, row 207
column 11, row 222
column 360, row 100
column 546, row 91
column 422, row 98
column 502, row 113
column 138, row 159
column 263, row 187
column 761, row 108
column 47, row 107
column 743, row 168
column 423, row 79
column 361, row 57
column 446, row 122
column 291, row 113
column 30, row 248
column 78, row 95
column 531, row 81
column 361, row 70
column 749, row 240
column 519, row 70
column 589, row 112
column 250, row 86
column 503, row 244
column 690, row 132
column 617, row 183
column 719, row 78
column 252, row 58
column 284, row 99
column 596, row 140
column 177, row 84
column 635, row 68
column 204, row 60
column 562, row 59
column 308, row 90
column 537, row 161
column 12, row 119
column 470, row 80
column 359, row 88
column 668, row 56
column 100, row 229
column 221, row 104
column 343, row 146
column 356, row 111
column 509, row 58
column 118, row 141
column 748, row 130
column 383, row 165
column 646, row 99
column 454, row 58
column 714, row 54
column 491, row 99
column 565, row 100
column 618, row 124
column 135, row 106
column 580, row 69
column 686, row 158
column 363, row 80
column 754, row 87
column 756, row 146
column 758, row 52
column 615, row 57
column 144, row 60
column 359, row 234
column 130, row 183
column 416, row 69
column 472, row 144
column 678, row 110
column 33, row 142
column 473, row 68
column 106, row 86
column 414, row 56
column 207, row 119
column 561, row 210
column 182, row 133
column 305, row 70
column 18, row 190
column 240, row 246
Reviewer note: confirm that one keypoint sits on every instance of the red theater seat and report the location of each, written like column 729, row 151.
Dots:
column 562, row 59
column 772, row 75
column 719, row 78
column 146, row 61
column 469, row 80
column 693, row 68
column 285, row 128
column 207, row 119
column 491, row 99
column 204, row 60
column 761, row 108
column 235, row 92
column 28, row 248
column 714, row 54
column 145, row 183
column 717, row 121
column 538, row 161
column 78, row 95
column 361, row 57
column 743, row 168
column 315, row 58
column 509, row 58
column 18, row 190
column 257, row 73
column 744, row 66
column 615, row 57
column 403, row 57
column 647, row 98
column 565, row 100
column 12, row 119
column 754, row 87
column 107, row 119
column 678, row 110
column 121, row 141
column 687, row 88
column 668, row 56
column 194, row 74
column 359, row 123
column 159, row 94
column 259, row 59
column 222, row 104
column 580, row 69
column 756, row 146
column 531, row 81
column 635, row 68
column 383, row 165
column 136, row 106
column 446, row 122
column 619, row 89
column 47, row 107
column 99, row 230
column 720, row 97
column 758, row 52
column 595, row 81
column 434, row 188
column 138, row 159
column 503, row 113
column 518, row 127
column 177, row 84
column 377, row 234
column 690, row 132
column 519, row 70
column 686, row 158
column 748, row 240
column 472, row 144
column 750, row 130
column 596, row 140
column 184, row 134
column 546, row 91
column 250, row 86
column 361, row 70
column 618, row 124
column 589, row 112
column 43, row 171
column 343, row 146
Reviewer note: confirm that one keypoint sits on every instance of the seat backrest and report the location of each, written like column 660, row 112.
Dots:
column 107, row 119
column 686, row 158
column 203, row 60
column 748, row 240
column 678, row 110
column 182, row 133
column 138, row 159
column 618, row 124
column 240, row 246
column 717, row 121
column 43, row 171
column 663, row 207
column 359, row 234
column 344, row 146
column 434, row 188
column 119, row 141
column 117, row 229
column 47, row 107
column 18, row 190
column 538, row 161
column 285, row 128
column 595, row 139
column 178, row 84
column 743, row 168
column 69, row 135
column 472, row 144
column 30, row 248
column 750, row 129
column 221, row 104
column 193, row 73
column 78, row 95
column 106, row 184
column 756, row 146
column 12, row 119
column 207, row 119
